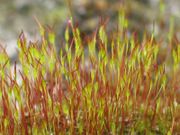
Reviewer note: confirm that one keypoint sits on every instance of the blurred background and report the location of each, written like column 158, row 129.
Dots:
column 143, row 15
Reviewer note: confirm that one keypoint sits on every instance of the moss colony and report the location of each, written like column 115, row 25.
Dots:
column 117, row 85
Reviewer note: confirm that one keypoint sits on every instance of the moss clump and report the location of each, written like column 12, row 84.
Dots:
column 117, row 87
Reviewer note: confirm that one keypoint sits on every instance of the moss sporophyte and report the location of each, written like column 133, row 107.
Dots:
column 117, row 87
